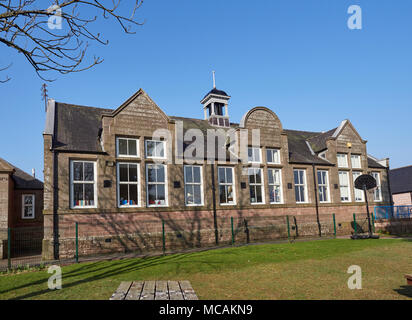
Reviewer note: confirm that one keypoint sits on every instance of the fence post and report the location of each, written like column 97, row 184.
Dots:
column 373, row 224
column 233, row 232
column 163, row 237
column 287, row 222
column 354, row 223
column 9, row 248
column 247, row 232
column 77, row 242
column 334, row 224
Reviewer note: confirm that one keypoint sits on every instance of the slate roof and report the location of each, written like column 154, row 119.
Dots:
column 373, row 164
column 216, row 91
column 299, row 151
column 401, row 180
column 23, row 180
column 77, row 129
column 318, row 142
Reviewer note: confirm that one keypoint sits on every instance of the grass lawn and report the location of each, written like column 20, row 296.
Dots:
column 301, row 270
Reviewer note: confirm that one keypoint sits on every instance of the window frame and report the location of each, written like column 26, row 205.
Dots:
column 378, row 186
column 348, row 186
column 274, row 185
column 324, row 185
column 255, row 185
column 33, row 204
column 253, row 154
column 346, row 160
column 233, row 184
column 157, row 141
column 138, row 183
column 271, row 150
column 305, row 186
column 358, row 156
column 72, row 183
column 357, row 190
column 165, row 184
column 128, row 155
column 194, row 183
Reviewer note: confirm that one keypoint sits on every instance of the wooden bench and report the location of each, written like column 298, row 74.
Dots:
column 408, row 279
column 154, row 290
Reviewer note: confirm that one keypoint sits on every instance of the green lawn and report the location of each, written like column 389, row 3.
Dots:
column 301, row 270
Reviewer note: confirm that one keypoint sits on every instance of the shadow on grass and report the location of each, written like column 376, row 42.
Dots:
column 405, row 291
column 105, row 271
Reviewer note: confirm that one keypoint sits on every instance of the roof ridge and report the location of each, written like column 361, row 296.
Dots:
column 405, row 167
column 82, row 106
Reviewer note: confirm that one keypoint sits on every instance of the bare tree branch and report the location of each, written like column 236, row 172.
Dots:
column 57, row 38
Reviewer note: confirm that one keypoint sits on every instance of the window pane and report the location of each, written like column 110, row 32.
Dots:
column 89, row 194
column 222, row 176
column 250, row 154
column 132, row 147
column 161, row 195
column 197, row 194
column 222, row 194
column 297, row 195
column 160, row 152
column 258, row 175
column 133, row 173
column 28, row 200
column 88, row 171
column 302, row 193
column 151, row 174
column 229, row 175
column 78, row 171
column 269, row 157
column 251, row 176
column 150, row 148
column 259, row 194
column 28, row 211
column 160, row 173
column 296, row 176
column 123, row 174
column 77, row 193
column 252, row 194
column 271, row 176
column 196, row 174
column 189, row 177
column 230, row 196
column 123, row 194
column 189, row 194
column 133, row 201
column 122, row 146
column 152, row 194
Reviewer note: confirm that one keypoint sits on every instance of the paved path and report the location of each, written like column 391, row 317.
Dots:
column 154, row 290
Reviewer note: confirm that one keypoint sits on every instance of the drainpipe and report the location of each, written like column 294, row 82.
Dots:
column 389, row 186
column 212, row 166
column 315, row 189
column 55, row 207
column 316, row 199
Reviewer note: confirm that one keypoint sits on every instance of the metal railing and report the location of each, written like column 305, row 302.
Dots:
column 393, row 212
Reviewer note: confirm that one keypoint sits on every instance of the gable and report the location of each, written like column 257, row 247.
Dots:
column 139, row 114
column 267, row 122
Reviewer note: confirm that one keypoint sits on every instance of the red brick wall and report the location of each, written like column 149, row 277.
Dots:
column 142, row 231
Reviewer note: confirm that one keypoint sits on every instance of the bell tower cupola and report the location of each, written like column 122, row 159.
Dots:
column 215, row 107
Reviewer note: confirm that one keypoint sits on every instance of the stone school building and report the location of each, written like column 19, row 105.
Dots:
column 104, row 170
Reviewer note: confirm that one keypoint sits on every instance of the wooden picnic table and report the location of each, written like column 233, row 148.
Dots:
column 154, row 290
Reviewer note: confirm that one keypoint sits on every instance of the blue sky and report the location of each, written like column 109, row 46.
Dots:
column 297, row 57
